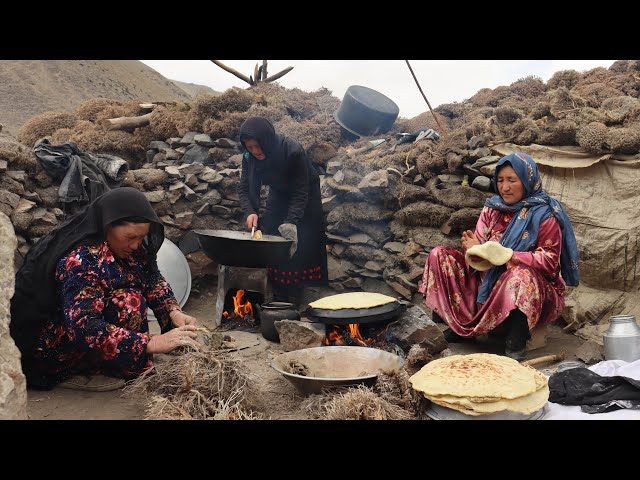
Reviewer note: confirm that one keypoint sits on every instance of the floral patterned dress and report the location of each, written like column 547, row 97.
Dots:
column 531, row 283
column 102, row 325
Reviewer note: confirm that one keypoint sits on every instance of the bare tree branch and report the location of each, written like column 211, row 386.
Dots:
column 278, row 75
column 233, row 72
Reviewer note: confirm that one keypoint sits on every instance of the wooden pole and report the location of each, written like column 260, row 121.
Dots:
column 264, row 69
column 425, row 98
column 126, row 123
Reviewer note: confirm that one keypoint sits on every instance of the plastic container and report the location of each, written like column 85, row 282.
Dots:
column 364, row 112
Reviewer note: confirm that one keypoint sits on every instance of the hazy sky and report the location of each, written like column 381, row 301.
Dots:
column 442, row 81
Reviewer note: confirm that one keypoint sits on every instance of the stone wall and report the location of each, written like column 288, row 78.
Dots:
column 13, row 386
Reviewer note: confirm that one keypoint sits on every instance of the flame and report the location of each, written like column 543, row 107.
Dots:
column 242, row 307
column 351, row 335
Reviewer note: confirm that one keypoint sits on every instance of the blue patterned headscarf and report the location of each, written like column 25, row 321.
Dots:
column 535, row 207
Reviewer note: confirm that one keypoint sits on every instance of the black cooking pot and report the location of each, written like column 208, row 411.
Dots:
column 271, row 312
column 237, row 249
column 364, row 112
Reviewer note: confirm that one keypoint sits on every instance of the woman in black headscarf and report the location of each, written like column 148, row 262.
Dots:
column 294, row 205
column 80, row 304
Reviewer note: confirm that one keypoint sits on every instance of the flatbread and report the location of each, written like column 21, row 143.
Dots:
column 352, row 300
column 487, row 376
column 491, row 253
column 525, row 405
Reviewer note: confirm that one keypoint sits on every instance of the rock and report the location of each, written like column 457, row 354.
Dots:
column 370, row 274
column 189, row 194
column 158, row 158
column 8, row 201
column 480, row 152
column 200, row 264
column 191, row 179
column 476, row 141
column 394, row 247
column 412, row 248
column 225, row 143
column 17, row 175
column 374, row 182
column 173, row 196
column 194, row 168
column 333, row 167
column 196, row 154
column 33, row 196
column 176, row 186
column 43, row 179
column 173, row 172
column 401, row 289
column 203, row 139
column 353, row 282
column 338, row 250
column 296, row 335
column 590, row 352
column 419, row 180
column 174, row 142
column 188, row 139
column 337, row 268
column 171, row 154
column 9, row 184
column 414, row 327
column 150, row 155
column 201, row 187
column 488, row 170
column 230, row 172
column 329, row 203
column 158, row 145
column 361, row 238
column 155, row 196
column 13, row 387
column 339, row 176
column 481, row 183
column 24, row 205
column 446, row 178
column 235, row 160
column 150, row 178
column 3, row 166
column 220, row 210
column 374, row 266
column 211, row 176
column 212, row 197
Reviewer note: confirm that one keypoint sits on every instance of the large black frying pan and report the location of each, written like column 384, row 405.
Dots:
column 237, row 249
column 346, row 316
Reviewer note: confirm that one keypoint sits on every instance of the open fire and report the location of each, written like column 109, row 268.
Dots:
column 357, row 334
column 240, row 314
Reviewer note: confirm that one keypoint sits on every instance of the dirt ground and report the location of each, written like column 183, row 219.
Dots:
column 281, row 400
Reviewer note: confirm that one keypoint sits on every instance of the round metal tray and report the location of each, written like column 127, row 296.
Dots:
column 438, row 412
column 175, row 269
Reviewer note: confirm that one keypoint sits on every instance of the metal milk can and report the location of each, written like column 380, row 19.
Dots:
column 622, row 339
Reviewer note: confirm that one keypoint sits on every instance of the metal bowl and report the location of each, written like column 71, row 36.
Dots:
column 327, row 367
column 175, row 269
column 229, row 247
column 438, row 412
column 364, row 111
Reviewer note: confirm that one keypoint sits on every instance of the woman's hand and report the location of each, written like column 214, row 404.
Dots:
column 180, row 319
column 185, row 335
column 468, row 240
column 252, row 221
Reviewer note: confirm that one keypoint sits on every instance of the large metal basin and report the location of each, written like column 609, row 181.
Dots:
column 326, row 367
column 229, row 247
column 364, row 112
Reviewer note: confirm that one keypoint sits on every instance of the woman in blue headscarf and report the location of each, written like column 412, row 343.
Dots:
column 538, row 256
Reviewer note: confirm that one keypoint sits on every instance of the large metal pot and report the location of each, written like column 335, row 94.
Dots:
column 237, row 249
column 365, row 112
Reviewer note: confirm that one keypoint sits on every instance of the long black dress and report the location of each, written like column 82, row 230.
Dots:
column 294, row 197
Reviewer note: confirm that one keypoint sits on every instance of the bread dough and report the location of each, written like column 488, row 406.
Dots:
column 491, row 253
column 352, row 300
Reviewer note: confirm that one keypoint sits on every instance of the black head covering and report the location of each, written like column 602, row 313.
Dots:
column 261, row 130
column 35, row 300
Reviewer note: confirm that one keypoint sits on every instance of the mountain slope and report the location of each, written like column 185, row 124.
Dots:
column 30, row 87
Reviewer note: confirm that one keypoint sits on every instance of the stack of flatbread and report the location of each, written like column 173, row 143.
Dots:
column 357, row 300
column 482, row 384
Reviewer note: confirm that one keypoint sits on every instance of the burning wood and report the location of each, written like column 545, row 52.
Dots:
column 350, row 335
column 242, row 316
